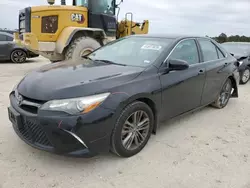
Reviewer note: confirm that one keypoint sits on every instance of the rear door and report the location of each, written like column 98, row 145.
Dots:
column 182, row 90
column 215, row 63
column 5, row 46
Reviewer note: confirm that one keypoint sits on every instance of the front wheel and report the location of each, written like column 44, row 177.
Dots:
column 132, row 130
column 224, row 95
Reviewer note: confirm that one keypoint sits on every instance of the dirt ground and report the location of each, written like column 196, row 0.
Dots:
column 207, row 149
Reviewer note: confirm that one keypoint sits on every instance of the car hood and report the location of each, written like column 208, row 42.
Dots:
column 70, row 79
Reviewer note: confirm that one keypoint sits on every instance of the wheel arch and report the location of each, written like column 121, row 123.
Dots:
column 69, row 34
column 145, row 98
column 235, row 86
column 18, row 48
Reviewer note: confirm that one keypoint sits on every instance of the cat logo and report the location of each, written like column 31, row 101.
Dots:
column 75, row 17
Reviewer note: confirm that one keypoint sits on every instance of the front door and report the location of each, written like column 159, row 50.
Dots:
column 182, row 90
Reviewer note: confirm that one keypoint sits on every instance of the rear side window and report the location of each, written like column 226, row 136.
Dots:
column 3, row 37
column 209, row 50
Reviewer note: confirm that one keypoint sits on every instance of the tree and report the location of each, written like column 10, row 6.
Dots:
column 222, row 38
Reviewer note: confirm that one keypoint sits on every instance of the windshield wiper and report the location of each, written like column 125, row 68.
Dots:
column 86, row 57
column 109, row 62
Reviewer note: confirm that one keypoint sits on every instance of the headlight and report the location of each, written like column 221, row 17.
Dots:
column 240, row 63
column 75, row 105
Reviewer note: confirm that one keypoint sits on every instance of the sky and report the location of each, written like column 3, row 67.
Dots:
column 197, row 17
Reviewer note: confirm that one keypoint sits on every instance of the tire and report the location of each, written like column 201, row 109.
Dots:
column 18, row 56
column 224, row 96
column 245, row 76
column 118, row 145
column 80, row 44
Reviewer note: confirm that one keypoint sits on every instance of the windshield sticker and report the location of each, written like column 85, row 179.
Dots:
column 151, row 47
column 146, row 61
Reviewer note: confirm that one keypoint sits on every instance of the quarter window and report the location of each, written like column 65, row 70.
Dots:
column 209, row 50
column 187, row 51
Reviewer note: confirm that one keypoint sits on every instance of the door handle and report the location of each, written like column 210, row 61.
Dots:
column 201, row 72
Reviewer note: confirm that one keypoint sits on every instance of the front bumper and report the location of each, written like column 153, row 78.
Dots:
column 83, row 135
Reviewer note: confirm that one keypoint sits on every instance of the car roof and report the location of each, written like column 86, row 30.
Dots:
column 169, row 36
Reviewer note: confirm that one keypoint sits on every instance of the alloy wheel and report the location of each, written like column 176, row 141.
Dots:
column 135, row 130
column 245, row 75
column 225, row 93
column 18, row 56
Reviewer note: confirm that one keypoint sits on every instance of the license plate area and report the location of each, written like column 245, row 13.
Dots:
column 15, row 118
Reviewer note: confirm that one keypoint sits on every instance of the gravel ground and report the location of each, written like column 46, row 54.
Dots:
column 207, row 149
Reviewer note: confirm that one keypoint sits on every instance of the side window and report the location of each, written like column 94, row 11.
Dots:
column 209, row 50
column 187, row 51
column 3, row 37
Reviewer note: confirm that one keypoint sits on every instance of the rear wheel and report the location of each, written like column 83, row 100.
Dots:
column 80, row 47
column 245, row 76
column 224, row 95
column 18, row 56
column 132, row 130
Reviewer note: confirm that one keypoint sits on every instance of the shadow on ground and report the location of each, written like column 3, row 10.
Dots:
column 10, row 62
column 59, row 160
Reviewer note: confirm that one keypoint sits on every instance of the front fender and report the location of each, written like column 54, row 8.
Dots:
column 117, row 101
column 68, row 34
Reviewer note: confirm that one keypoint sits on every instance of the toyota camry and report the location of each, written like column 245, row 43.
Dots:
column 114, row 98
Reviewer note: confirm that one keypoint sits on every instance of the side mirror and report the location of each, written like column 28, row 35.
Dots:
column 177, row 64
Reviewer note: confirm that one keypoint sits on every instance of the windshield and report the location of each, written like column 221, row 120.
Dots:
column 102, row 6
column 237, row 48
column 132, row 51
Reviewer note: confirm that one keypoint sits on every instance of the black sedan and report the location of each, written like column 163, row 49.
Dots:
column 241, row 51
column 114, row 98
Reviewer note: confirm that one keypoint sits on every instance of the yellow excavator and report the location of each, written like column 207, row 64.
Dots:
column 60, row 32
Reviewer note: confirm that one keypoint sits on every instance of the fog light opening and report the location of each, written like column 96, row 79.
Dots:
column 76, row 137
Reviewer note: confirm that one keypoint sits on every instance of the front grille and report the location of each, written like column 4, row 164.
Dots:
column 32, row 132
column 30, row 105
column 25, row 20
